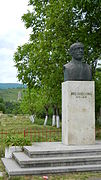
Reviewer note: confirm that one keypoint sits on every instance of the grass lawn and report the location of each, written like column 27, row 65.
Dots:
column 69, row 176
column 11, row 123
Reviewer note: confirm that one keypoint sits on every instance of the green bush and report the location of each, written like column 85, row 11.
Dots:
column 17, row 141
column 2, row 107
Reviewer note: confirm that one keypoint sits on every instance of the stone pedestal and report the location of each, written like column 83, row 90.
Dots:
column 78, row 112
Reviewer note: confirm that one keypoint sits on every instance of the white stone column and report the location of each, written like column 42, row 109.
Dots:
column 78, row 112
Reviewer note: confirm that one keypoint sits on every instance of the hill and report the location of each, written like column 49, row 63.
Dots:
column 11, row 85
column 10, row 94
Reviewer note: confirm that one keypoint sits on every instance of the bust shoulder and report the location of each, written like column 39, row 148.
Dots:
column 69, row 65
column 87, row 66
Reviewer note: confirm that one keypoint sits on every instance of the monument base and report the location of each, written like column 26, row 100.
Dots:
column 78, row 112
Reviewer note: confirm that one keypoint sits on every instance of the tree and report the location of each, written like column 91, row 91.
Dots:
column 34, row 102
column 2, row 105
column 12, row 108
column 98, row 92
column 55, row 26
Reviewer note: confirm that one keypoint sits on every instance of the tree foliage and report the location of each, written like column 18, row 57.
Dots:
column 12, row 108
column 2, row 105
column 34, row 101
column 55, row 26
column 98, row 92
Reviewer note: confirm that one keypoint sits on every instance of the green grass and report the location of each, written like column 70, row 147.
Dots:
column 20, row 122
column 69, row 176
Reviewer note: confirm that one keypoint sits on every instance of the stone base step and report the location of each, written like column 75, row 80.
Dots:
column 13, row 169
column 25, row 161
column 46, row 158
column 57, row 149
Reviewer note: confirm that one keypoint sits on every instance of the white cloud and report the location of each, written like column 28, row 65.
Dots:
column 7, row 73
column 10, row 14
column 12, row 34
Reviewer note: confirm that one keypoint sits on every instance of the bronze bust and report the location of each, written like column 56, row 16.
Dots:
column 76, row 70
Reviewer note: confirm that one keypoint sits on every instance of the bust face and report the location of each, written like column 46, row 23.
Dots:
column 77, row 53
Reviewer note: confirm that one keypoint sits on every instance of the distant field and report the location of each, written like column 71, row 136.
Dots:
column 10, row 94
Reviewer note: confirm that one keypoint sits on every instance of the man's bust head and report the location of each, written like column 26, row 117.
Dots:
column 77, row 51
column 76, row 70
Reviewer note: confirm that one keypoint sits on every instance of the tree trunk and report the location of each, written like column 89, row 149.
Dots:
column 46, row 117
column 54, row 116
column 57, row 118
column 32, row 118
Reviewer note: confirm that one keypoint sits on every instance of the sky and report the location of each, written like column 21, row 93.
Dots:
column 12, row 34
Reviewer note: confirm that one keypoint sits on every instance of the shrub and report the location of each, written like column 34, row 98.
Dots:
column 17, row 141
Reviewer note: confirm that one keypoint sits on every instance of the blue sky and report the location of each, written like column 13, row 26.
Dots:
column 12, row 34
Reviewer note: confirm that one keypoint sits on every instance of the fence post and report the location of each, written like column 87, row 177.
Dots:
column 30, row 134
column 24, row 133
column 50, row 135
column 46, row 135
